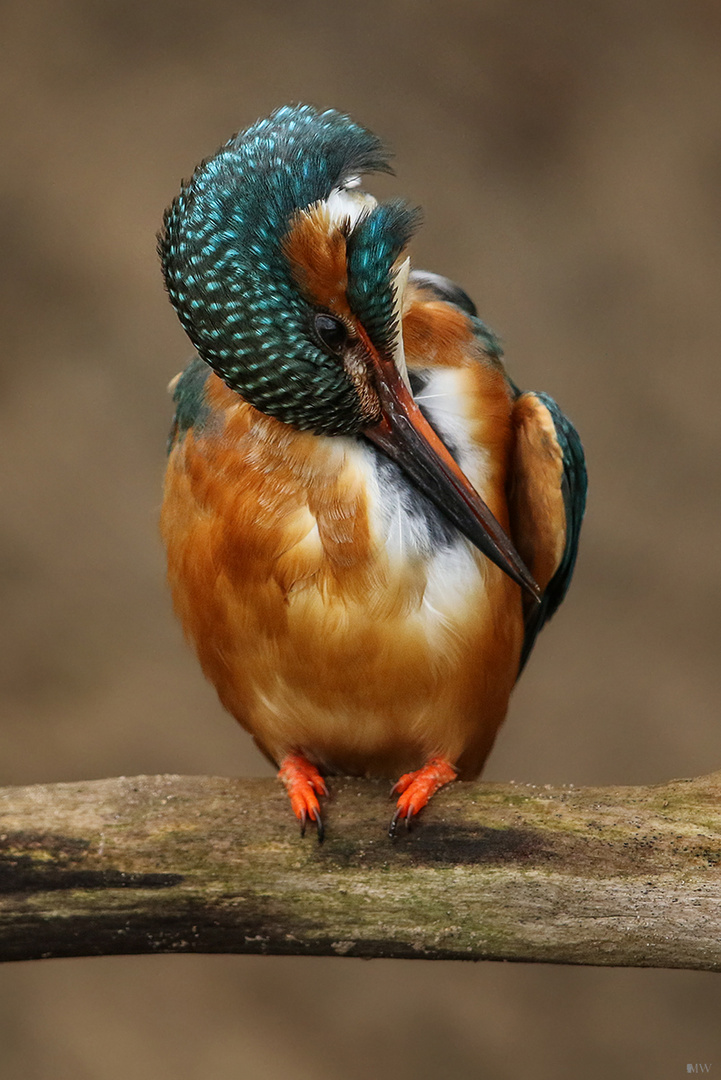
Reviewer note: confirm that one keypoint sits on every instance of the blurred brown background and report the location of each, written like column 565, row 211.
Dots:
column 568, row 157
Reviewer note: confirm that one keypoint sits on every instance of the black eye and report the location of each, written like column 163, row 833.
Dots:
column 332, row 332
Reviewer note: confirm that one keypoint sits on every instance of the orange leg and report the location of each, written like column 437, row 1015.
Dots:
column 303, row 783
column 416, row 788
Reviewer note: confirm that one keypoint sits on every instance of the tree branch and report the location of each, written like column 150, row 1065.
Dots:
column 625, row 876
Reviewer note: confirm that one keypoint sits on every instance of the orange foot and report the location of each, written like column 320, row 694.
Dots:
column 416, row 788
column 303, row 783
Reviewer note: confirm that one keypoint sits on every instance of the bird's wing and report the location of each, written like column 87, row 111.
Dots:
column 547, row 499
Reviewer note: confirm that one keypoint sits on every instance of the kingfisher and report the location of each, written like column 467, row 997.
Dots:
column 367, row 523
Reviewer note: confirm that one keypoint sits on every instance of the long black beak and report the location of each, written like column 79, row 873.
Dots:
column 405, row 435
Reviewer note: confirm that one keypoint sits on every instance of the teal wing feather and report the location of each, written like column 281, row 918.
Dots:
column 191, row 410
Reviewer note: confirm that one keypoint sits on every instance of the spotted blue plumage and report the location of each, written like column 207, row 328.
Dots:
column 373, row 247
column 230, row 283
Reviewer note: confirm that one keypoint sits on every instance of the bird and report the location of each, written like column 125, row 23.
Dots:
column 367, row 523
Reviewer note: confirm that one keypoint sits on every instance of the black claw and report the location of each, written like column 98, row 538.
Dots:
column 408, row 818
column 318, row 822
column 303, row 819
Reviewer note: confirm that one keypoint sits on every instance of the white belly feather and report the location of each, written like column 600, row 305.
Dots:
column 410, row 529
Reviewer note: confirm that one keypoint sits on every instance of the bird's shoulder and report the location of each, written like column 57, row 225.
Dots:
column 441, row 326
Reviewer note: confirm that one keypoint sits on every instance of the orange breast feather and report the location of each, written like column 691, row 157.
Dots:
column 321, row 631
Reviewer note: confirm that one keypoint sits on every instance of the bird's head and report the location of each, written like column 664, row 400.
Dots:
column 288, row 278
column 281, row 269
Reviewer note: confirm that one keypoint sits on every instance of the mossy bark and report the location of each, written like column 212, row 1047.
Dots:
column 626, row 876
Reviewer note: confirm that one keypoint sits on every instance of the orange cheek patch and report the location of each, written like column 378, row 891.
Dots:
column 316, row 250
